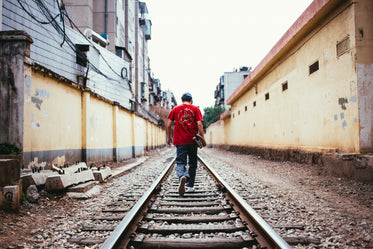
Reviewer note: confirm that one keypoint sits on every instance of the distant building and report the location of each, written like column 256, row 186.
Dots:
column 155, row 92
column 161, row 102
column 168, row 100
column 124, row 29
column 228, row 84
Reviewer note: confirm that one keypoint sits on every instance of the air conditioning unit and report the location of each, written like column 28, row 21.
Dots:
column 89, row 33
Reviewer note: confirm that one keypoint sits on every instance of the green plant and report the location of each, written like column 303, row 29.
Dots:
column 25, row 197
column 8, row 149
column 211, row 115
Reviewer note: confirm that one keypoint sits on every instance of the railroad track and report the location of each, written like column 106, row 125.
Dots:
column 214, row 216
column 101, row 217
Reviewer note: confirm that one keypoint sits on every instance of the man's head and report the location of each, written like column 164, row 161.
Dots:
column 187, row 97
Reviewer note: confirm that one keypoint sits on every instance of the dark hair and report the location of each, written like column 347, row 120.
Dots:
column 186, row 97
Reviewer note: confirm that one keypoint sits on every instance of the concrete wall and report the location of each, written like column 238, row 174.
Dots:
column 319, row 112
column 14, row 51
column 62, row 121
column 120, row 39
column 364, row 60
column 85, row 9
column 215, row 134
column 99, row 127
column 52, row 119
column 125, row 139
column 283, row 111
column 308, row 114
column 14, row 54
column 131, row 32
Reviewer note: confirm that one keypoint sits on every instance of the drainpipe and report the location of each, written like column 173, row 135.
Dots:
column 106, row 18
column 126, row 25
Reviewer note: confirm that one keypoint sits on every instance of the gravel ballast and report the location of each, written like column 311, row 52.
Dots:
column 299, row 201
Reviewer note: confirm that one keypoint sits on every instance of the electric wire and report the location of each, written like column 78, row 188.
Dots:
column 62, row 31
column 98, row 51
column 52, row 21
column 32, row 15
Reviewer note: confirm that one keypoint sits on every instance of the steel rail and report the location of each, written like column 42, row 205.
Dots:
column 260, row 225
column 123, row 229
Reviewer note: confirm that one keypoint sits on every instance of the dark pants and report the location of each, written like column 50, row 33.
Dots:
column 186, row 154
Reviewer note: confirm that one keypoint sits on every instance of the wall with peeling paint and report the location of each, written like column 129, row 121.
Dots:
column 14, row 51
column 52, row 114
column 64, row 123
column 52, row 118
column 308, row 93
column 365, row 93
column 364, row 60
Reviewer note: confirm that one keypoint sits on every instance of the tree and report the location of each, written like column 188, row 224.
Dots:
column 211, row 115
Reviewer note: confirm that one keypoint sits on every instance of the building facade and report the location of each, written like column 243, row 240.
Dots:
column 312, row 93
column 125, row 29
column 228, row 83
column 84, row 81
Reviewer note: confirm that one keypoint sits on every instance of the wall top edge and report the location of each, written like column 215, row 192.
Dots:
column 314, row 11
column 15, row 35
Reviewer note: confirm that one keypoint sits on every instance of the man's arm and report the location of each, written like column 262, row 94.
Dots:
column 200, row 128
column 169, row 131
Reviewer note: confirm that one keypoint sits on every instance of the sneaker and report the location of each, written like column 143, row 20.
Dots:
column 183, row 180
column 189, row 189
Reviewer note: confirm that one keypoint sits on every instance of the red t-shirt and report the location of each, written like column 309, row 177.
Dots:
column 185, row 117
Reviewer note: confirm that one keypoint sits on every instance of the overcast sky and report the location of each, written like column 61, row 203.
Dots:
column 195, row 41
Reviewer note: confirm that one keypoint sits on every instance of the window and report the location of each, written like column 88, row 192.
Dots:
column 266, row 96
column 152, row 100
column 238, row 112
column 245, row 108
column 119, row 53
column 284, row 86
column 254, row 103
column 314, row 67
column 81, row 54
column 343, row 46
column 142, row 90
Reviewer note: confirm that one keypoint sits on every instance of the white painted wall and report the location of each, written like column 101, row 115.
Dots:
column 231, row 81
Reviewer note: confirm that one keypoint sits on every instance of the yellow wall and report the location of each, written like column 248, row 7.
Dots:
column 214, row 135
column 52, row 115
column 61, row 121
column 140, row 131
column 99, row 125
column 318, row 111
column 125, row 137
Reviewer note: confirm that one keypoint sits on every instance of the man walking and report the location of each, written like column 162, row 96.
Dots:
column 188, row 122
